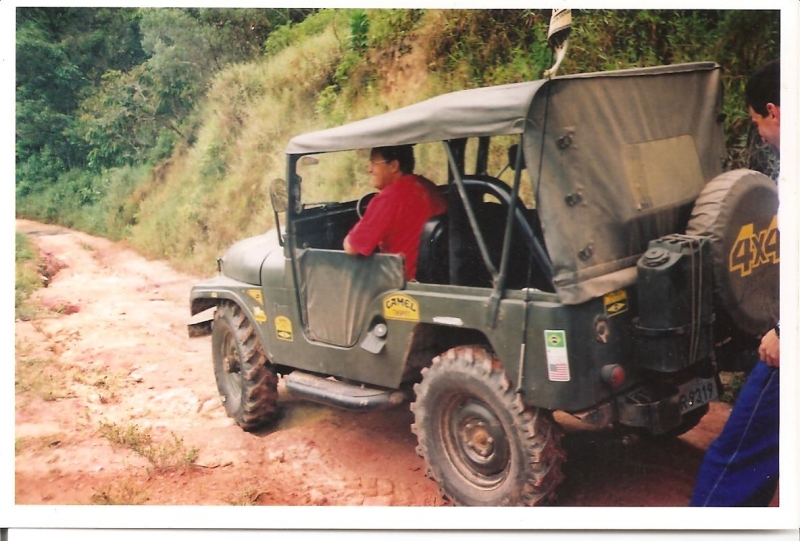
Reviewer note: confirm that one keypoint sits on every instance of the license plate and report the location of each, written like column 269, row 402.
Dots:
column 696, row 393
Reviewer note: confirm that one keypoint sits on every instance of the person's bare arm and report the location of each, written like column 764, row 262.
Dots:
column 348, row 248
column 770, row 349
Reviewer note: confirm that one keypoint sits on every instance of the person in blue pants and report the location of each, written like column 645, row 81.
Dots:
column 740, row 467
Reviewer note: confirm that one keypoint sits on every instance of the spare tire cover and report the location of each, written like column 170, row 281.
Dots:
column 738, row 210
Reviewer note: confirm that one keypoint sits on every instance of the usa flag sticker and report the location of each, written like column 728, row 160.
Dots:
column 555, row 346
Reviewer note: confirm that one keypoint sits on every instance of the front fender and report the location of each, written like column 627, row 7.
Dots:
column 207, row 295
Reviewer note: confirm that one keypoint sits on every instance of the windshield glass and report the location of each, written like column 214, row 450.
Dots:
column 498, row 166
column 342, row 176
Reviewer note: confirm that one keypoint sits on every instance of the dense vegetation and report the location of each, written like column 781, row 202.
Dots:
column 165, row 126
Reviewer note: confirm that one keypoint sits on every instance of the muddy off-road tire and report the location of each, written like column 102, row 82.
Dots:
column 482, row 445
column 738, row 211
column 247, row 381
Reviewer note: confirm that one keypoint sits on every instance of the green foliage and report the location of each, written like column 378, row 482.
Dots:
column 63, row 201
column 47, row 85
column 113, row 120
column 297, row 29
column 746, row 40
column 359, row 27
column 241, row 33
column 732, row 383
column 62, row 52
column 392, row 26
column 278, row 40
column 23, row 249
column 116, row 213
column 478, row 46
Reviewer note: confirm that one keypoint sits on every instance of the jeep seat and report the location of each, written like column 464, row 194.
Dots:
column 433, row 263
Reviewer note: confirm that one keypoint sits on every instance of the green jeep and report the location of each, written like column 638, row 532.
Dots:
column 596, row 259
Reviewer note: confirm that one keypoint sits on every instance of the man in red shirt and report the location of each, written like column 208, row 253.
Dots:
column 394, row 218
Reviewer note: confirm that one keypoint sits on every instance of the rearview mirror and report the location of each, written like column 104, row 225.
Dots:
column 278, row 195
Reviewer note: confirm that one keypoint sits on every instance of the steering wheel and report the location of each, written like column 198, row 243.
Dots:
column 363, row 202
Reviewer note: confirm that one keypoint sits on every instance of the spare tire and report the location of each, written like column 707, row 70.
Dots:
column 738, row 210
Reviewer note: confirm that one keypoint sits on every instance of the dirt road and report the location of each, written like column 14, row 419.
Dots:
column 114, row 403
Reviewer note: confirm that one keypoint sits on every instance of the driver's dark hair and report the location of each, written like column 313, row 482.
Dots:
column 404, row 154
column 764, row 87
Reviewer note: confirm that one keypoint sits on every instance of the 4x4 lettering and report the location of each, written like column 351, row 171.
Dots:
column 741, row 257
column 754, row 248
column 772, row 241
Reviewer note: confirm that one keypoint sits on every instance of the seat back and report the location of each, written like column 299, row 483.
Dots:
column 433, row 263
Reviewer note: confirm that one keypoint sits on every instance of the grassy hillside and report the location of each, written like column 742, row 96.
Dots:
column 211, row 188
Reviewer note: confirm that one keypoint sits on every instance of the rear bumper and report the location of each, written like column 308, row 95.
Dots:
column 654, row 408
column 658, row 410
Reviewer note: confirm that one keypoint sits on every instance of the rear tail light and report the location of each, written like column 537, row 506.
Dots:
column 613, row 374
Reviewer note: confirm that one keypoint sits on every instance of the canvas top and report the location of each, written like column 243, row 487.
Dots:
column 616, row 158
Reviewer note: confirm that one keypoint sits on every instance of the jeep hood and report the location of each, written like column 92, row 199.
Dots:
column 616, row 158
column 244, row 259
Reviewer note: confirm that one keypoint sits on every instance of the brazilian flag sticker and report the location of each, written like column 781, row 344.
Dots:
column 555, row 347
column 554, row 339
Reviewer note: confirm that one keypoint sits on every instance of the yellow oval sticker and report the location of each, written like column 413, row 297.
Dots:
column 283, row 328
column 400, row 307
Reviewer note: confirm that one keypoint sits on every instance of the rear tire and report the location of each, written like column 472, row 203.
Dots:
column 247, row 381
column 482, row 444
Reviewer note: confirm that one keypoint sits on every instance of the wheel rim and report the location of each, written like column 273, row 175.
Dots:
column 231, row 365
column 476, row 442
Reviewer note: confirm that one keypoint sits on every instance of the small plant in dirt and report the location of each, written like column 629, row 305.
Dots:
column 169, row 455
column 49, row 379
column 41, row 378
column 27, row 276
column 35, row 444
column 247, row 495
column 105, row 383
column 123, row 492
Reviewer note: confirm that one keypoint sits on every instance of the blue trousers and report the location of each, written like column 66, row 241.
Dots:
column 741, row 467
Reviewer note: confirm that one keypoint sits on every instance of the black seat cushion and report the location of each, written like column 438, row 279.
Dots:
column 433, row 263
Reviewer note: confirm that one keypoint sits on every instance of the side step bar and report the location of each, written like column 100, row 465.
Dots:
column 341, row 394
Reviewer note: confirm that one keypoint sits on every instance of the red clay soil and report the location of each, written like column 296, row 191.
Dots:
column 112, row 328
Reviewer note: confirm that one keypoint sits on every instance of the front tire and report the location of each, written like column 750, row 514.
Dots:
column 247, row 381
column 482, row 444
